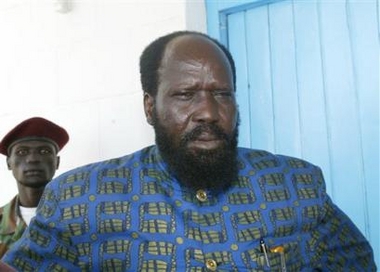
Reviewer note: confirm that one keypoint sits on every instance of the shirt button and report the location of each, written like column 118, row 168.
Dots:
column 211, row 265
column 201, row 195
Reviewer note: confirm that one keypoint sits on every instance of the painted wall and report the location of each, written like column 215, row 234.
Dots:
column 80, row 69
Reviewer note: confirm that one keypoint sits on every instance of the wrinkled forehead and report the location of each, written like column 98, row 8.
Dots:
column 196, row 48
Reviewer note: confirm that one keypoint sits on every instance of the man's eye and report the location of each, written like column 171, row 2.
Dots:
column 45, row 151
column 223, row 93
column 22, row 152
column 184, row 95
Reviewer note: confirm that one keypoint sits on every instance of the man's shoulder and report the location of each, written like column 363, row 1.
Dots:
column 6, row 212
column 9, row 205
column 134, row 159
column 265, row 159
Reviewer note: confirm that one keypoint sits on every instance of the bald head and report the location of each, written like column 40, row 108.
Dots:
column 194, row 49
column 152, row 56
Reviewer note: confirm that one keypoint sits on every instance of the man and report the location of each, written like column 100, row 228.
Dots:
column 31, row 149
column 194, row 201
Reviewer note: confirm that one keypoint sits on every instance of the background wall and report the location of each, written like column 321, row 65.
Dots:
column 80, row 70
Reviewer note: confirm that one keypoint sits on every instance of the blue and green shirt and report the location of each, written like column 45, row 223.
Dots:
column 130, row 214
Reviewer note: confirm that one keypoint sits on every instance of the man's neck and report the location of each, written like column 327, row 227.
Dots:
column 29, row 197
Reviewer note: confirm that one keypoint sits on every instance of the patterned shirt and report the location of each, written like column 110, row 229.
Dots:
column 130, row 214
column 12, row 226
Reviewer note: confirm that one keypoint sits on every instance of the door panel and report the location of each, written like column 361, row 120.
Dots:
column 308, row 86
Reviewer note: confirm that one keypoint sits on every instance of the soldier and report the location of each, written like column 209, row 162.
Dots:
column 31, row 149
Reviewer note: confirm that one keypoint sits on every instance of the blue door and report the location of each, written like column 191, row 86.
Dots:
column 308, row 86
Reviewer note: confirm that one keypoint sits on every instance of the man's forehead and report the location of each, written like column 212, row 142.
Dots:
column 33, row 142
column 189, row 44
column 192, row 50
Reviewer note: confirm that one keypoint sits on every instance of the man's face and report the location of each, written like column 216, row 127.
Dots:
column 33, row 163
column 194, row 113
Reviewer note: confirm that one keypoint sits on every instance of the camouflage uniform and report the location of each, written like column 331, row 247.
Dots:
column 12, row 226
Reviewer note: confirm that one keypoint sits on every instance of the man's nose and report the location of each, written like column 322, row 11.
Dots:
column 33, row 156
column 206, row 108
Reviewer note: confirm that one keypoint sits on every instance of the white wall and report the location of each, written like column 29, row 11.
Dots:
column 80, row 70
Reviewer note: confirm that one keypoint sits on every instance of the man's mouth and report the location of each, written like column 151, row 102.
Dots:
column 33, row 172
column 206, row 137
column 206, row 140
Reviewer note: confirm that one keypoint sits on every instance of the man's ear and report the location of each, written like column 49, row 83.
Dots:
column 148, row 108
column 58, row 161
column 8, row 165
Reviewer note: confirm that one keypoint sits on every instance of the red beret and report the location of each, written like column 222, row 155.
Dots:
column 34, row 129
